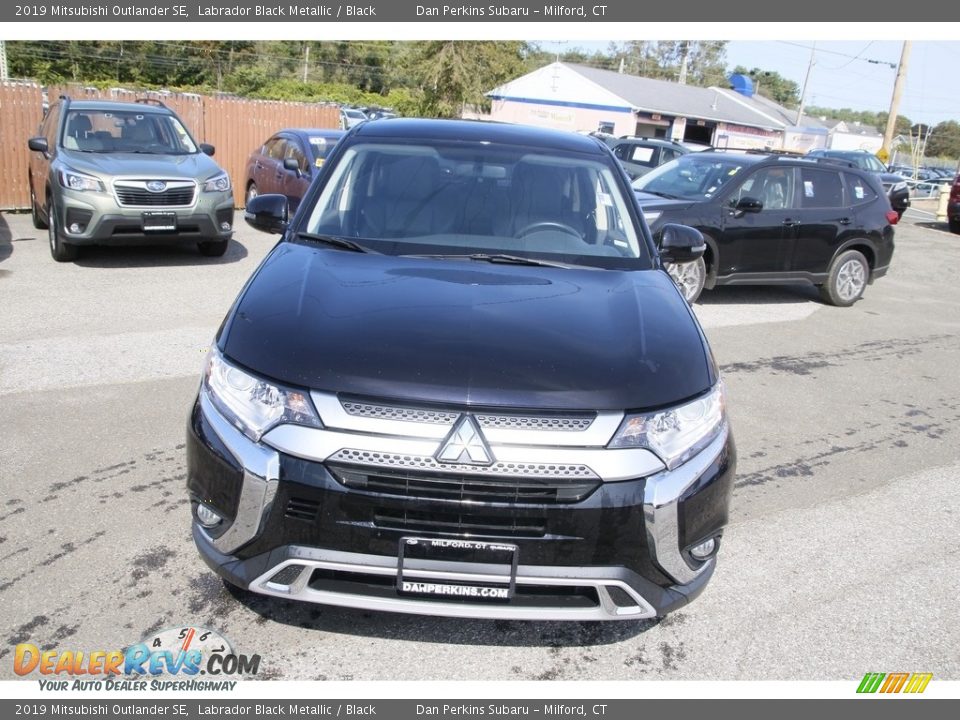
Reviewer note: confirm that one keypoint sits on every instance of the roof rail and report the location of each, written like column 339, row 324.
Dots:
column 150, row 101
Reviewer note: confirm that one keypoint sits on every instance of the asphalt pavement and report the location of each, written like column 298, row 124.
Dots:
column 840, row 558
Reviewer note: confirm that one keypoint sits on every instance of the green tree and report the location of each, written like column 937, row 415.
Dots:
column 944, row 140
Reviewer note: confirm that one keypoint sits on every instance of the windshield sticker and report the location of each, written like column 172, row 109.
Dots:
column 318, row 162
column 858, row 191
column 808, row 188
column 605, row 199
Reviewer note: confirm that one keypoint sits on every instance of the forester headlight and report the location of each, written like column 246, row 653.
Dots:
column 218, row 183
column 78, row 181
column 902, row 185
column 676, row 434
column 252, row 405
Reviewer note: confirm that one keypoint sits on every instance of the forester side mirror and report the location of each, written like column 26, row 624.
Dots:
column 207, row 149
column 38, row 144
column 681, row 244
column 268, row 213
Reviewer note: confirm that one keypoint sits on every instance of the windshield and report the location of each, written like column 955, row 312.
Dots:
column 467, row 198
column 691, row 177
column 126, row 131
column 321, row 146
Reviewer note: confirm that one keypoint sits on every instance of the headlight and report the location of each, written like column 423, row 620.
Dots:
column 78, row 181
column 652, row 217
column 676, row 434
column 252, row 405
column 218, row 183
column 902, row 185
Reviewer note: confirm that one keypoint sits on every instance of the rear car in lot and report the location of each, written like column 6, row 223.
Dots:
column 953, row 206
column 640, row 155
column 894, row 185
column 462, row 384
column 771, row 219
column 288, row 161
column 117, row 173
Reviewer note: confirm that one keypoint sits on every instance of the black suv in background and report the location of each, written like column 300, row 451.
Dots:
column 774, row 219
column 640, row 155
column 894, row 185
column 462, row 384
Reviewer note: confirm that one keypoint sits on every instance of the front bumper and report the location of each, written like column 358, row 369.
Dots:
column 292, row 529
column 98, row 219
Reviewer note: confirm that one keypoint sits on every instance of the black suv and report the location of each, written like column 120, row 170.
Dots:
column 462, row 384
column 894, row 185
column 774, row 219
column 640, row 155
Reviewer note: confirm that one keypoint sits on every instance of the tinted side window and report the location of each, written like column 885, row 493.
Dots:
column 820, row 189
column 860, row 191
column 294, row 151
column 275, row 148
column 50, row 125
column 773, row 186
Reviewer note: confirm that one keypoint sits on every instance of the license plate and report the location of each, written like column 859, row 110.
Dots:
column 159, row 222
column 497, row 562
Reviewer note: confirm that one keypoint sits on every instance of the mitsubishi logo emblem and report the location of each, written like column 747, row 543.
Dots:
column 465, row 444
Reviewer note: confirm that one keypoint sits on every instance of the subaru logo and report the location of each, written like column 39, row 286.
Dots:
column 465, row 444
column 156, row 186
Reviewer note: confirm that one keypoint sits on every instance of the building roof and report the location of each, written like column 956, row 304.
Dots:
column 580, row 85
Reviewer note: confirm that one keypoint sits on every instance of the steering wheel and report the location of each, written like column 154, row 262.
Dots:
column 545, row 226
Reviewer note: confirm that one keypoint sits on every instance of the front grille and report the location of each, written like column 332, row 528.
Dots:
column 464, row 488
column 129, row 196
column 369, row 458
column 461, row 524
column 528, row 422
column 404, row 414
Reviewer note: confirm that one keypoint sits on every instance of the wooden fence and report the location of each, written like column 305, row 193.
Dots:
column 235, row 126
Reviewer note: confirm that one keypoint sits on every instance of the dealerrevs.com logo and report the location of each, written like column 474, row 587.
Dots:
column 171, row 659
column 890, row 683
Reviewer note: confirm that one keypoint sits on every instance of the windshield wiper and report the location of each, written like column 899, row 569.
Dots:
column 496, row 258
column 668, row 196
column 334, row 241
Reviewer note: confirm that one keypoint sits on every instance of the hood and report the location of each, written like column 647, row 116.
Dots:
column 141, row 165
column 649, row 201
column 468, row 333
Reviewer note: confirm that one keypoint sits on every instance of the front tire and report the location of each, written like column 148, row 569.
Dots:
column 689, row 277
column 955, row 226
column 847, row 280
column 252, row 192
column 212, row 248
column 59, row 250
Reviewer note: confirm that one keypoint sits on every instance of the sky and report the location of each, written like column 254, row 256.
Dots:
column 843, row 76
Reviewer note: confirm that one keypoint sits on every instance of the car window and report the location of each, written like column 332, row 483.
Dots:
column 820, row 189
column 296, row 152
column 122, row 131
column 472, row 197
column 49, row 127
column 276, row 149
column 321, row 147
column 775, row 187
column 859, row 189
column 691, row 177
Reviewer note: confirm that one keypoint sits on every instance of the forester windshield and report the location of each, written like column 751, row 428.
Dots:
column 691, row 177
column 478, row 198
column 104, row 131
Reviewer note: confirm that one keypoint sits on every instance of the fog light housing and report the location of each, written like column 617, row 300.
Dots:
column 207, row 517
column 704, row 550
column 225, row 226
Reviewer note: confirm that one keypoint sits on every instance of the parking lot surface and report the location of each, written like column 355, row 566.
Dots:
column 840, row 559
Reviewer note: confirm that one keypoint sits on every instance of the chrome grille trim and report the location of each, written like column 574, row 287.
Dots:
column 403, row 414
column 532, row 422
column 130, row 192
column 576, row 429
column 366, row 458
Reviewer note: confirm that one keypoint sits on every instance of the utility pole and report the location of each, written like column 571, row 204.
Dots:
column 895, row 100
column 806, row 83
column 306, row 62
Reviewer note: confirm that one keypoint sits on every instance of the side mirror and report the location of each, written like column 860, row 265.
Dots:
column 681, row 244
column 207, row 149
column 38, row 144
column 292, row 165
column 268, row 213
column 747, row 205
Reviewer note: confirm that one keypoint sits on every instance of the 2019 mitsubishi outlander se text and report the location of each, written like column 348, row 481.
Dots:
column 463, row 384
